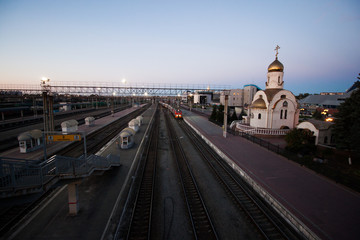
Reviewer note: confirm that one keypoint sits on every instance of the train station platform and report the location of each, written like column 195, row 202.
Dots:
column 97, row 194
column 51, row 148
column 317, row 206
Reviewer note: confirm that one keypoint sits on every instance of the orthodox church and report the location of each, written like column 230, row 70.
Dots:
column 274, row 107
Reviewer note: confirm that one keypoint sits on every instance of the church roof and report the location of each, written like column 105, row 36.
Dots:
column 320, row 125
column 258, row 103
column 276, row 66
column 270, row 93
column 324, row 100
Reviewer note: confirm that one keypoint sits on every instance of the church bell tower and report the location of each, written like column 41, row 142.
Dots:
column 275, row 73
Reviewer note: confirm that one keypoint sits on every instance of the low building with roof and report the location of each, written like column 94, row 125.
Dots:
column 326, row 100
column 320, row 129
column 127, row 138
column 69, row 126
column 30, row 140
column 240, row 97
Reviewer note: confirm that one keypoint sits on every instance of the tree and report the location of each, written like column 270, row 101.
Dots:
column 233, row 117
column 347, row 123
column 302, row 95
column 220, row 114
column 213, row 113
column 242, row 114
column 317, row 115
column 300, row 141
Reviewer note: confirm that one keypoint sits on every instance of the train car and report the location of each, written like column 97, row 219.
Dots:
column 177, row 113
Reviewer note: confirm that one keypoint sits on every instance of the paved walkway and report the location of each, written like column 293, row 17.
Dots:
column 330, row 210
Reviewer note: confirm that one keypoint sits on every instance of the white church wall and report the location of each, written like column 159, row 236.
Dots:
column 255, row 120
column 275, row 80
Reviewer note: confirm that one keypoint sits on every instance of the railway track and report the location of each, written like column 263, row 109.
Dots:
column 10, row 216
column 96, row 139
column 140, row 223
column 202, row 225
column 10, row 138
column 269, row 225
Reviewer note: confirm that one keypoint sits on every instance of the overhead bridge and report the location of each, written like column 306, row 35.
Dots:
column 110, row 89
column 19, row 176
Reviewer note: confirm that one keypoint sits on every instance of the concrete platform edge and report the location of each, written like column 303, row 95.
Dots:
column 285, row 213
column 126, row 188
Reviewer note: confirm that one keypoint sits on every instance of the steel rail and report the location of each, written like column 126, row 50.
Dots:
column 11, row 140
column 202, row 225
column 140, row 223
column 96, row 139
column 253, row 208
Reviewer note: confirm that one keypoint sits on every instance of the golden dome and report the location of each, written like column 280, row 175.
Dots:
column 276, row 66
column 258, row 103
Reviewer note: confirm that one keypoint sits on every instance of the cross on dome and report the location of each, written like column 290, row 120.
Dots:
column 277, row 50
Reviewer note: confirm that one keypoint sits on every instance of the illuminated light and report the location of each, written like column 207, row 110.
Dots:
column 45, row 79
column 123, row 80
column 329, row 119
column 145, row 93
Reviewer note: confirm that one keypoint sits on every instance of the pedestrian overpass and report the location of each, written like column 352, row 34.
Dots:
column 20, row 176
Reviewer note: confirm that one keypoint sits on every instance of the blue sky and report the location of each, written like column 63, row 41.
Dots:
column 181, row 42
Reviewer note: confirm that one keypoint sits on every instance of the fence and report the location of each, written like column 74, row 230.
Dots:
column 18, row 175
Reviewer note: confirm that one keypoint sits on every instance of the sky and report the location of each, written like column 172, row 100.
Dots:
column 221, row 42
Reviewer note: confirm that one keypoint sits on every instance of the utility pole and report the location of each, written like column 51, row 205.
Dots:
column 226, row 93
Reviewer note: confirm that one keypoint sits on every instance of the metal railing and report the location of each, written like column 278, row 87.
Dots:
column 261, row 131
column 18, row 175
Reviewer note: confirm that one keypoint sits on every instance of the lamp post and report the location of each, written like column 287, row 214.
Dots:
column 226, row 93
column 45, row 89
column 112, row 104
column 98, row 96
column 190, row 101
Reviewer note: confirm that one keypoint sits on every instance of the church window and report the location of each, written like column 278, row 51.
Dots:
column 281, row 114
column 283, row 96
column 278, row 79
column 326, row 140
column 285, row 104
column 259, row 116
column 285, row 115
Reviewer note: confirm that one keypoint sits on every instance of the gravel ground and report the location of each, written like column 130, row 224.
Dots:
column 170, row 212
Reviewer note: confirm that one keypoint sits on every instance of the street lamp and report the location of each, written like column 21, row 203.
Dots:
column 98, row 96
column 190, row 101
column 45, row 89
column 112, row 105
